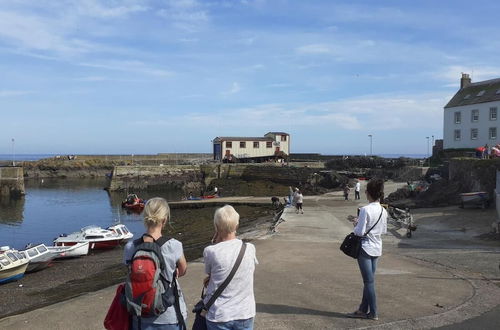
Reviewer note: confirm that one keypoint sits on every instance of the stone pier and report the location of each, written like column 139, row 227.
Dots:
column 11, row 182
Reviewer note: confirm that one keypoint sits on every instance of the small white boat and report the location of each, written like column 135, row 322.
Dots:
column 12, row 264
column 39, row 256
column 97, row 237
column 77, row 250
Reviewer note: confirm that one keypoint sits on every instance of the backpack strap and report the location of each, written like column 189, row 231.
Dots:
column 229, row 277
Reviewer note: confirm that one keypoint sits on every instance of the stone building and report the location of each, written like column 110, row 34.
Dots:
column 471, row 116
column 270, row 145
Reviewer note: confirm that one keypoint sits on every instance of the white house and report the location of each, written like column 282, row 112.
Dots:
column 258, row 148
column 471, row 116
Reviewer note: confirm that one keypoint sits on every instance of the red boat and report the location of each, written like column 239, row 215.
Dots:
column 133, row 203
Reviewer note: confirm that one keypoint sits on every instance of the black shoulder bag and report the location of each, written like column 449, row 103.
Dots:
column 351, row 245
column 201, row 309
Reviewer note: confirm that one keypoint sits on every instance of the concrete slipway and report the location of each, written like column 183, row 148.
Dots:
column 303, row 281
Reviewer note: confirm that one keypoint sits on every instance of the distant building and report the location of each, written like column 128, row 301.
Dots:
column 271, row 145
column 471, row 116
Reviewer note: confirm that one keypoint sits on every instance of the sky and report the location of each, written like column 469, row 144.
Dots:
column 152, row 76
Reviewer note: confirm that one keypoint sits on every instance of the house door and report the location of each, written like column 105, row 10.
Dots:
column 277, row 149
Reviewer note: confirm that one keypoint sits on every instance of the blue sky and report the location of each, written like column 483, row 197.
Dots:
column 132, row 76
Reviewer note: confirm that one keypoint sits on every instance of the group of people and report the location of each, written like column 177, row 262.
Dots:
column 295, row 198
column 485, row 152
column 235, row 308
column 347, row 190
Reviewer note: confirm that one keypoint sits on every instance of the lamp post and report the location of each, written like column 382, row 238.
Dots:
column 13, row 153
column 428, row 159
column 371, row 144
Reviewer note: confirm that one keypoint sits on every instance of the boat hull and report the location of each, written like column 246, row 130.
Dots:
column 77, row 250
column 95, row 245
column 37, row 266
column 13, row 274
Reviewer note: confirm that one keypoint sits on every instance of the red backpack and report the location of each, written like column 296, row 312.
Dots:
column 147, row 292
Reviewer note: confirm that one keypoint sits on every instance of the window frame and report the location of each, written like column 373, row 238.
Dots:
column 491, row 112
column 472, row 130
column 457, row 117
column 229, row 144
column 474, row 113
column 243, row 144
column 492, row 129
column 283, row 138
column 269, row 144
column 256, row 144
column 457, row 137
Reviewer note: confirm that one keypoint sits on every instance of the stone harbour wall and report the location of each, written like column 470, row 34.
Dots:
column 11, row 182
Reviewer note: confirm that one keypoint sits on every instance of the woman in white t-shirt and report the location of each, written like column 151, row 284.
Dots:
column 371, row 215
column 235, row 307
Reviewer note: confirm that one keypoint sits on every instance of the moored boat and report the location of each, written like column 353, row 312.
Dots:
column 12, row 264
column 77, row 250
column 97, row 237
column 40, row 257
column 133, row 203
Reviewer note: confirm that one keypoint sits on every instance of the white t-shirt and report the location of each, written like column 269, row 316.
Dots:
column 368, row 216
column 358, row 186
column 237, row 301
column 299, row 198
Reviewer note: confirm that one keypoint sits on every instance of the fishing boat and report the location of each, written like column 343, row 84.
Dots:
column 478, row 198
column 40, row 257
column 97, row 237
column 73, row 251
column 12, row 264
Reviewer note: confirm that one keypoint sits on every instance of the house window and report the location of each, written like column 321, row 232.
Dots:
column 493, row 133
column 458, row 117
column 457, row 135
column 473, row 133
column 283, row 138
column 493, row 113
column 243, row 144
column 229, row 144
column 269, row 144
column 474, row 117
column 256, row 144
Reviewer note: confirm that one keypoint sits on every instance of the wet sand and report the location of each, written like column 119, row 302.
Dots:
column 72, row 277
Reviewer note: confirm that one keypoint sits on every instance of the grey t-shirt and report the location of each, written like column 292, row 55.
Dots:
column 172, row 252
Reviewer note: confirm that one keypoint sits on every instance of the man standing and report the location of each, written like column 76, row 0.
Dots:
column 298, row 199
column 346, row 191
column 357, row 189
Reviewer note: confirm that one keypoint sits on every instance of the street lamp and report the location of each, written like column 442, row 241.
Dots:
column 13, row 153
column 371, row 144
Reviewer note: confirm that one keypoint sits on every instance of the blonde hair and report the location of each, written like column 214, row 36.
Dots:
column 226, row 220
column 156, row 212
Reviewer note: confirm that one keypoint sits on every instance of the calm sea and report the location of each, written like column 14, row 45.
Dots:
column 55, row 206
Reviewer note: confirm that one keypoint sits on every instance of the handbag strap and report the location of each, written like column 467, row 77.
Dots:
column 228, row 279
column 381, row 211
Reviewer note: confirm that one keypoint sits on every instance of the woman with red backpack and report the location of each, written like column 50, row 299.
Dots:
column 139, row 255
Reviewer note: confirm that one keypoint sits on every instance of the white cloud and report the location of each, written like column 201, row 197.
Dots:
column 129, row 66
column 235, row 88
column 314, row 49
column 95, row 8
column 9, row 93
column 185, row 15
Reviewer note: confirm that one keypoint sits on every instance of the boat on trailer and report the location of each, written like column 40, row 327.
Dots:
column 12, row 264
column 97, row 237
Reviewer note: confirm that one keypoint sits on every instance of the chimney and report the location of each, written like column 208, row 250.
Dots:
column 465, row 80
